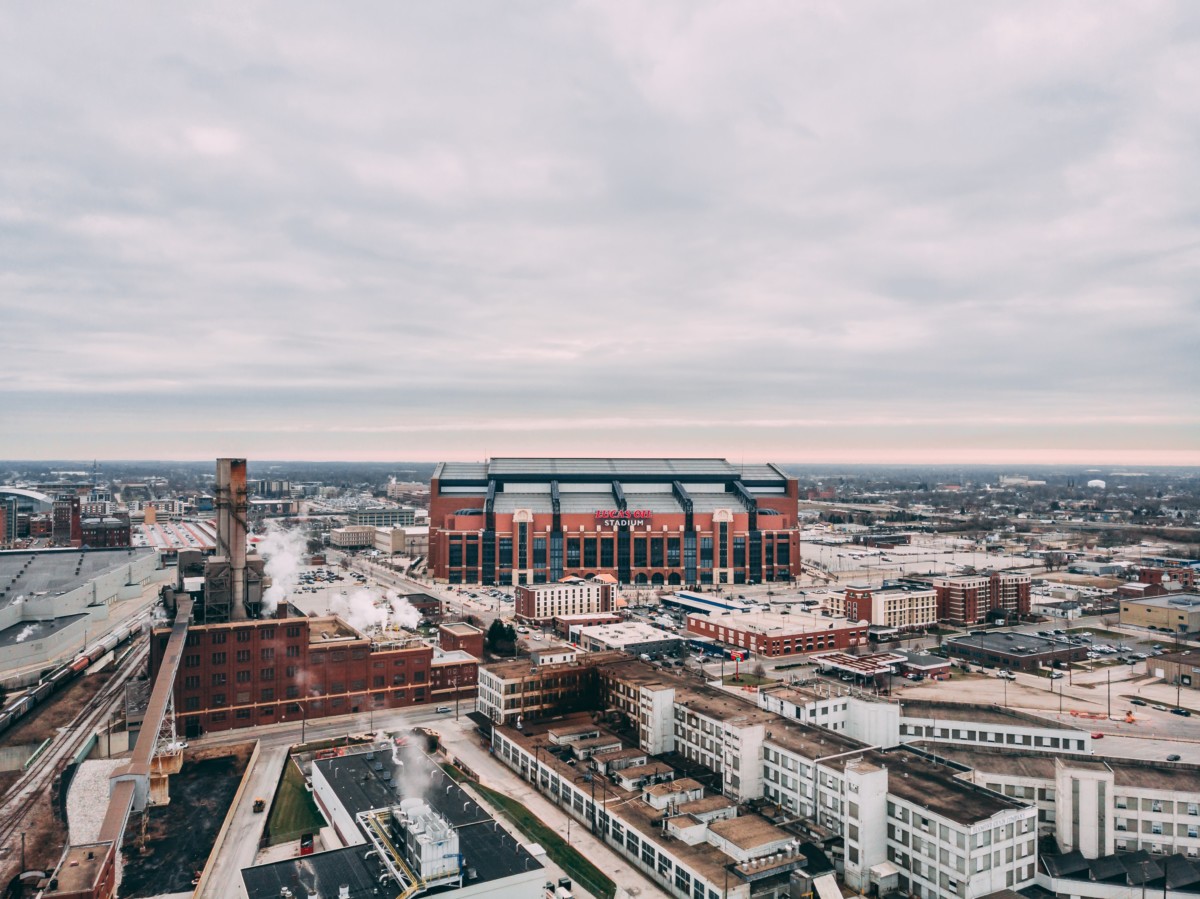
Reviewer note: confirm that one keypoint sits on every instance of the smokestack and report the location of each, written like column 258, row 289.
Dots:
column 230, row 502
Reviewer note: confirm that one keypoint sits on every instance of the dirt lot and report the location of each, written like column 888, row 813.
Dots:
column 45, row 837
column 179, row 836
column 59, row 711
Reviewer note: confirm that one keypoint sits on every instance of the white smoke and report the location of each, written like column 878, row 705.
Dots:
column 366, row 611
column 25, row 633
column 283, row 551
column 20, row 599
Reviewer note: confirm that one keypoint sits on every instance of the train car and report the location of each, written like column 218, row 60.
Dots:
column 41, row 691
column 80, row 663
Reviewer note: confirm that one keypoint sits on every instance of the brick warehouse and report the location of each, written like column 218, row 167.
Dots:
column 641, row 521
column 245, row 673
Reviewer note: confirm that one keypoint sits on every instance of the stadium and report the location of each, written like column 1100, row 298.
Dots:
column 654, row 522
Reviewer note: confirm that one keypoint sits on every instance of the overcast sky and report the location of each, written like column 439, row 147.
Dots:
column 788, row 231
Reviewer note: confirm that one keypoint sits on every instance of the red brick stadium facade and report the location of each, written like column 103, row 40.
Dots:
column 676, row 522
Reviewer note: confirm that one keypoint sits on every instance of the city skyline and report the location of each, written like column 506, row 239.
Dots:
column 964, row 234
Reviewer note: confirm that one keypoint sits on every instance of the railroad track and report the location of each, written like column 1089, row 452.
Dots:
column 30, row 789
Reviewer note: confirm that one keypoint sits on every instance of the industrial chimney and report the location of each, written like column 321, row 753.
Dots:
column 231, row 505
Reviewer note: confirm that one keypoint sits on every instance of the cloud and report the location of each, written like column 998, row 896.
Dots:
column 378, row 229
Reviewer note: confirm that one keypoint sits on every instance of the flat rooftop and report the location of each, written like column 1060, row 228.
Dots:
column 519, row 668
column 810, row 741
column 172, row 536
column 1013, row 644
column 979, row 714
column 748, row 832
column 777, row 624
column 605, row 470
column 458, row 629
column 81, row 866
column 36, row 631
column 938, row 788
column 370, row 779
column 1166, row 776
column 626, row 632
column 321, row 875
column 1181, row 601
column 867, row 666
column 52, row 572
column 329, row 629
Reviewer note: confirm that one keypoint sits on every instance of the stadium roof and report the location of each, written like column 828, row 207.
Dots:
column 537, row 470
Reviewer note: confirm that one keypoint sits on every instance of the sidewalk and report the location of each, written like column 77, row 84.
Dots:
column 460, row 740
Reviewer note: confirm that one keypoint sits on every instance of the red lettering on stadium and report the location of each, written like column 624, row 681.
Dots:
column 633, row 518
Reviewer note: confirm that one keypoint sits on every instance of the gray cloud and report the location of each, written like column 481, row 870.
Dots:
column 786, row 230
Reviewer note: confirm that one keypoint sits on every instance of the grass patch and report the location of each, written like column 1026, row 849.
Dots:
column 566, row 857
column 1099, row 632
column 747, row 680
column 294, row 811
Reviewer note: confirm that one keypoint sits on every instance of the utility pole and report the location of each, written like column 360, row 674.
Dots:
column 1109, row 672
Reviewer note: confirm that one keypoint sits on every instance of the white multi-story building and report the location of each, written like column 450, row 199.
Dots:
column 888, row 724
column 948, row 838
column 1099, row 806
column 570, row 596
column 896, row 607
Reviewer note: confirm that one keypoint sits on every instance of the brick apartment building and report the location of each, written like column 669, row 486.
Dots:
column 972, row 599
column 245, row 673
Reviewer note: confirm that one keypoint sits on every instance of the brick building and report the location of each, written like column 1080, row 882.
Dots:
column 461, row 637
column 971, row 599
column 640, row 521
column 67, row 527
column 107, row 532
column 563, row 623
column 773, row 634
column 244, row 673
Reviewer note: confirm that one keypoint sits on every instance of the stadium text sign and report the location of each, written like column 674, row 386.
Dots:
column 615, row 518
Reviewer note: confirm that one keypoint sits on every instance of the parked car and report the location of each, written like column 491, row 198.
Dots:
column 1097, row 736
column 1137, row 701
column 444, row 709
column 1173, row 757
column 1159, row 708
column 1186, row 713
